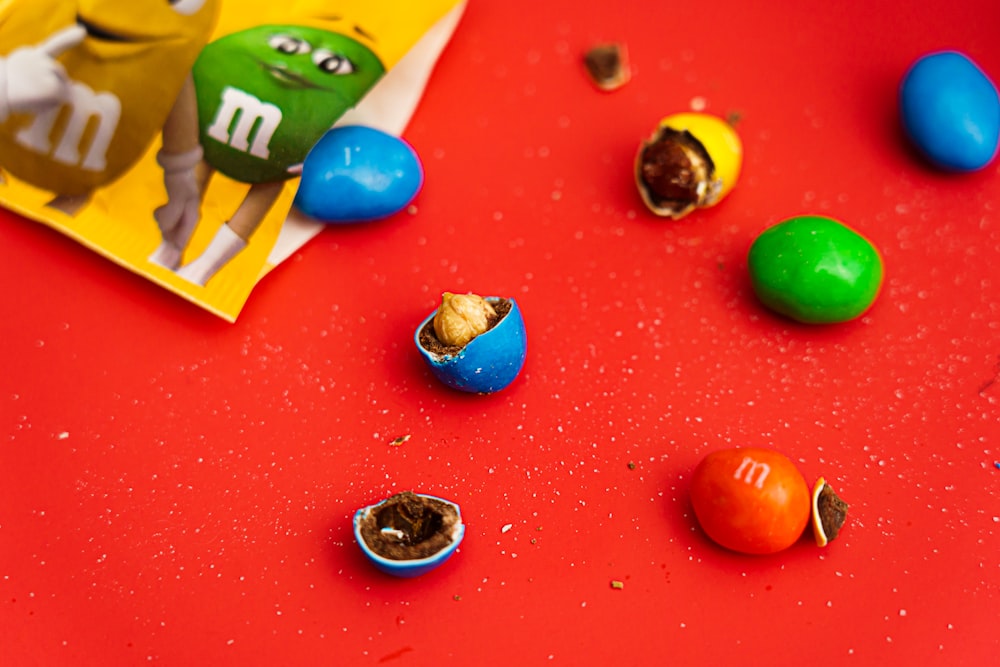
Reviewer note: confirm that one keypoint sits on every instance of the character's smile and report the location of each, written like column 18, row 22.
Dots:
column 286, row 77
column 99, row 33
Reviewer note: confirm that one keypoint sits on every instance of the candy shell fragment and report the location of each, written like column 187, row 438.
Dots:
column 607, row 66
column 829, row 513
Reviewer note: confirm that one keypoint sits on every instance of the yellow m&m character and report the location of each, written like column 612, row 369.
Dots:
column 87, row 86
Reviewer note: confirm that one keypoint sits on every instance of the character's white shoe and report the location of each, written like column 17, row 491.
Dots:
column 167, row 255
column 226, row 245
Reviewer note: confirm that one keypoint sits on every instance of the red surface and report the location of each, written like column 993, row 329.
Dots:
column 178, row 490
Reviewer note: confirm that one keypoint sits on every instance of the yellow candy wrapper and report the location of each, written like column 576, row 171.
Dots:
column 167, row 136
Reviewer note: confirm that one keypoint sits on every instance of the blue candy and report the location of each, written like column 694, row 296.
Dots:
column 951, row 111
column 358, row 174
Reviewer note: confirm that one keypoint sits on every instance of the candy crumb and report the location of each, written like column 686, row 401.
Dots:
column 607, row 66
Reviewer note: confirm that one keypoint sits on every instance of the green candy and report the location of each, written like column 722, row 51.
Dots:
column 815, row 270
column 267, row 94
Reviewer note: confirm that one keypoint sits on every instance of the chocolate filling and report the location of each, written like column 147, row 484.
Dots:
column 673, row 169
column 408, row 526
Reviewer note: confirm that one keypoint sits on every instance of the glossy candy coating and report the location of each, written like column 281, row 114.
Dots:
column 357, row 174
column 815, row 270
column 487, row 363
column 750, row 499
column 413, row 567
column 951, row 111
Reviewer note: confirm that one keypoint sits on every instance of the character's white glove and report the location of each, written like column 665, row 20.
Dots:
column 30, row 78
column 179, row 216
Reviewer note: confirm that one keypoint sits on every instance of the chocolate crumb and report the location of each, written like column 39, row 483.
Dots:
column 408, row 526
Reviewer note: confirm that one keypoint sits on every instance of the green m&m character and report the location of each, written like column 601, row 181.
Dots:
column 267, row 94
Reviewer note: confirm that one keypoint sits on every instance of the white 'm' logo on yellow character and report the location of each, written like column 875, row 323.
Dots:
column 85, row 107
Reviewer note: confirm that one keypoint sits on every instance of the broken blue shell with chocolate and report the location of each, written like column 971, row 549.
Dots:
column 409, row 534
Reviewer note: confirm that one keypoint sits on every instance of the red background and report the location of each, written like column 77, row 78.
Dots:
column 178, row 490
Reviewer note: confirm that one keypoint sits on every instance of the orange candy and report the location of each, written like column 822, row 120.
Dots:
column 750, row 500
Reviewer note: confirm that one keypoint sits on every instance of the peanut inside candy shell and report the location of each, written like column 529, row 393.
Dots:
column 462, row 317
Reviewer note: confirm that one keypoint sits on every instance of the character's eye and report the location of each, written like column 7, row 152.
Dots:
column 289, row 45
column 186, row 7
column 332, row 63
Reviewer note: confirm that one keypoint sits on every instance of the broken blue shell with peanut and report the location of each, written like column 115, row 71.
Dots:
column 472, row 343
